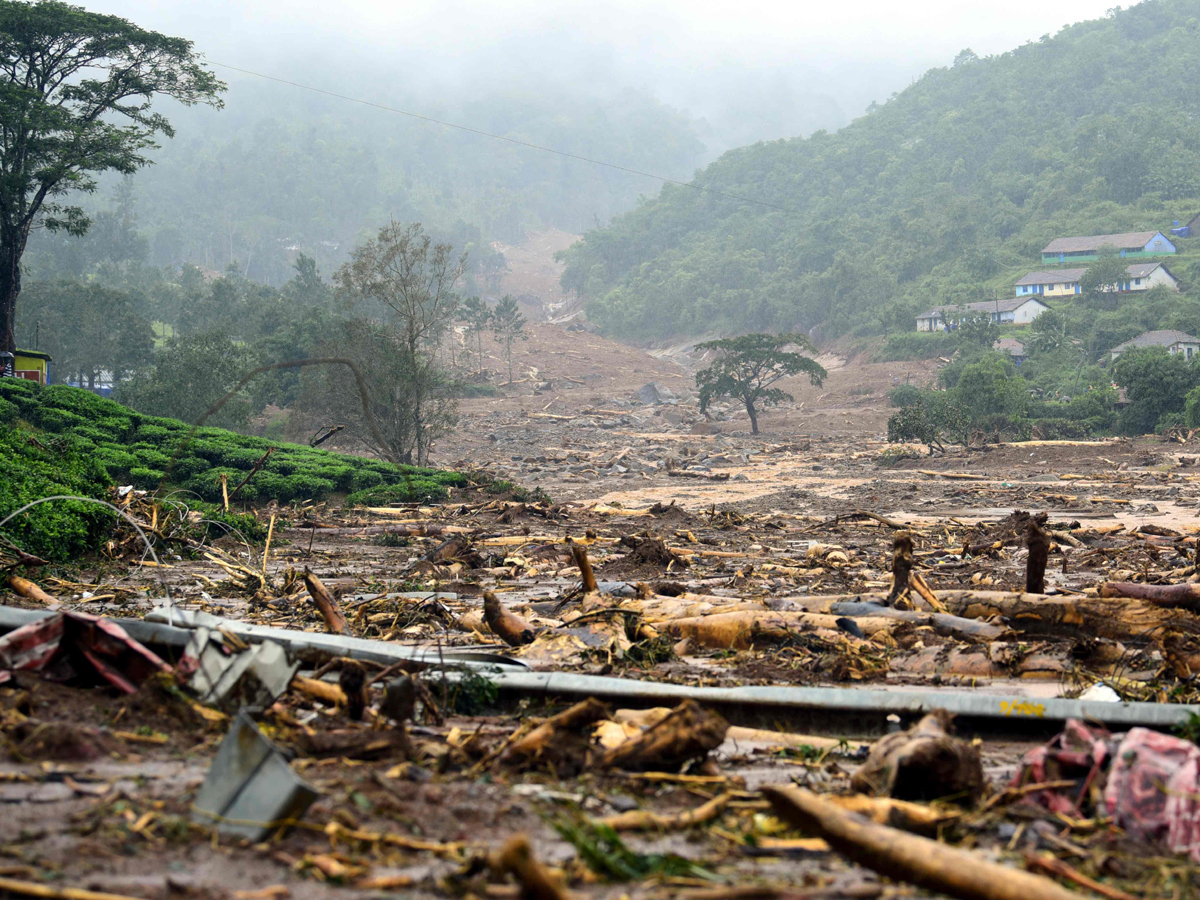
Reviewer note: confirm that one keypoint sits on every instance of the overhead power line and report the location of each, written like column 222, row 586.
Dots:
column 509, row 140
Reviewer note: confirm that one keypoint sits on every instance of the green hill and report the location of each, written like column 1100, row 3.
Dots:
column 937, row 196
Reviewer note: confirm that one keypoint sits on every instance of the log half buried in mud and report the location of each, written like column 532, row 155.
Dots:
column 906, row 857
column 688, row 732
column 970, row 630
column 1173, row 596
column 743, row 629
column 29, row 590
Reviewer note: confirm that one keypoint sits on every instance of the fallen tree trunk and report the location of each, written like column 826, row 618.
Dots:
column 29, row 590
column 957, row 627
column 742, row 629
column 1172, row 596
column 906, row 857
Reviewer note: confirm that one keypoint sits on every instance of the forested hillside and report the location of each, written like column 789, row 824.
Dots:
column 928, row 199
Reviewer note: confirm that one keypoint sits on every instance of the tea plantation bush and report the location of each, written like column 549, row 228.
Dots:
column 123, row 446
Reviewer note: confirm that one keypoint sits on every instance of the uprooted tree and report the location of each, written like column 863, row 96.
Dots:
column 748, row 367
column 75, row 95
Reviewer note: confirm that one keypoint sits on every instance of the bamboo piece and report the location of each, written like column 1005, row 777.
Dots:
column 335, row 622
column 1052, row 866
column 645, row 820
column 267, row 548
column 29, row 590
column 907, row 857
column 321, row 690
column 570, row 721
column 33, row 889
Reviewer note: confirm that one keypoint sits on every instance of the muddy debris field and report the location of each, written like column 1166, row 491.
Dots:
column 698, row 665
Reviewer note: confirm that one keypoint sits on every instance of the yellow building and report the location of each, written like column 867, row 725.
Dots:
column 32, row 366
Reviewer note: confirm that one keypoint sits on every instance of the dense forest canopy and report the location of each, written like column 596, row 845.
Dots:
column 928, row 199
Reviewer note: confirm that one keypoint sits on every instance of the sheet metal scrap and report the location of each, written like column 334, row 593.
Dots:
column 229, row 677
column 75, row 646
column 251, row 790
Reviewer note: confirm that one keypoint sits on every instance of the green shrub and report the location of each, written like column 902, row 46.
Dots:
column 917, row 345
column 188, row 466
column 57, row 420
column 152, row 458
column 9, row 412
column 414, row 490
column 905, row 395
column 59, row 530
column 115, row 460
column 365, row 478
column 144, row 478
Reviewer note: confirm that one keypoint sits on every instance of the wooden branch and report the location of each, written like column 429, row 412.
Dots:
column 253, row 471
column 1039, row 551
column 902, row 562
column 1171, row 596
column 645, row 820
column 906, row 857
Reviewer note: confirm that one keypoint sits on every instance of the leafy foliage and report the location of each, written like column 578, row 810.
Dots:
column 77, row 89
column 602, row 849
column 1157, row 384
column 749, row 366
column 508, row 327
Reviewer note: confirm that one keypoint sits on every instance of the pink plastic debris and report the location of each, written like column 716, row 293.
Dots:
column 1153, row 790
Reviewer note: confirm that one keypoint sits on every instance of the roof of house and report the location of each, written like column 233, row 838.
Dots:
column 35, row 354
column 1008, row 304
column 1095, row 242
column 1061, row 276
column 1010, row 345
column 1158, row 339
column 1068, row 276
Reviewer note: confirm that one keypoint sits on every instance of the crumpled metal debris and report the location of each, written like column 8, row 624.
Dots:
column 73, row 646
column 230, row 677
column 251, row 790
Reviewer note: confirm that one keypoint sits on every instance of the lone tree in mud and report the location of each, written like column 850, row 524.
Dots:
column 749, row 365
column 403, row 283
column 75, row 95
column 508, row 327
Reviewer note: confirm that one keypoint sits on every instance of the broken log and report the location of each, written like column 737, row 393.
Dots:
column 907, row 857
column 957, row 627
column 902, row 563
column 924, row 763
column 1170, row 596
column 579, row 553
column 689, row 732
column 1038, row 543
column 30, row 591
column 335, row 622
column 553, row 735
column 505, row 623
column 743, row 629
column 320, row 690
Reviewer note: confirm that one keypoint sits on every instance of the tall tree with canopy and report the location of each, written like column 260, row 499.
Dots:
column 75, row 94
column 750, row 365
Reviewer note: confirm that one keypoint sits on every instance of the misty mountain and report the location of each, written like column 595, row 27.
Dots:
column 966, row 173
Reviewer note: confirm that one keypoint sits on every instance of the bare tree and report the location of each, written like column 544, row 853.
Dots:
column 408, row 281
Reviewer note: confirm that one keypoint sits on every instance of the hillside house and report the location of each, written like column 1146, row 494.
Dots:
column 1013, row 348
column 1174, row 341
column 1065, row 282
column 28, row 364
column 1086, row 249
column 1012, row 311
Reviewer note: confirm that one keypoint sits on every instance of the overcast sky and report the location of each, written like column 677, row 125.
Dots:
column 681, row 50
